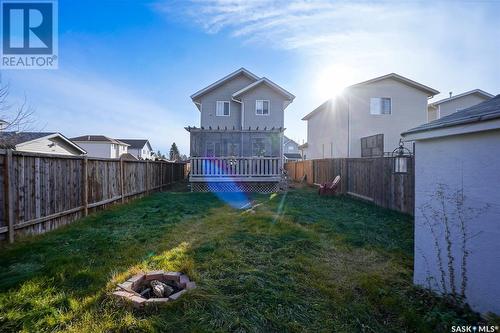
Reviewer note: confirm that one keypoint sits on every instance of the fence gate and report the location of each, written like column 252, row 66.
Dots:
column 360, row 178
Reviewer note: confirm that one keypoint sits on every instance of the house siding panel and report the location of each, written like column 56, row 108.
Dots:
column 223, row 93
column 276, row 112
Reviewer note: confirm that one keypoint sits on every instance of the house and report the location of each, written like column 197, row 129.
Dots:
column 386, row 105
column 139, row 148
column 40, row 142
column 447, row 106
column 291, row 150
column 101, row 146
column 4, row 124
column 239, row 144
column 457, row 209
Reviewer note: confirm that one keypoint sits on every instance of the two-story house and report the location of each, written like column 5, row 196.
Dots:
column 291, row 150
column 238, row 146
column 372, row 112
column 101, row 146
column 447, row 106
column 139, row 148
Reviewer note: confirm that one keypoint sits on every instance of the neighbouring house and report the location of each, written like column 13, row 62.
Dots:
column 239, row 144
column 291, row 150
column 385, row 105
column 457, row 210
column 40, row 142
column 101, row 146
column 447, row 106
column 3, row 124
column 139, row 148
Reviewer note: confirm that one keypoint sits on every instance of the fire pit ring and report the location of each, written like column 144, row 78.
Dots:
column 154, row 287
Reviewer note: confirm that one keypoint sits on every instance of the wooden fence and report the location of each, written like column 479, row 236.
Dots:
column 370, row 179
column 42, row 192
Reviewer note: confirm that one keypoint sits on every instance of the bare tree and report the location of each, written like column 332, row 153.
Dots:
column 13, row 117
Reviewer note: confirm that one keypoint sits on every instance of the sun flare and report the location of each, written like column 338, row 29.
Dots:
column 331, row 80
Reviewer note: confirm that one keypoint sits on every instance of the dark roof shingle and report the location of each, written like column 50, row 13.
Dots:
column 11, row 139
column 97, row 138
column 135, row 143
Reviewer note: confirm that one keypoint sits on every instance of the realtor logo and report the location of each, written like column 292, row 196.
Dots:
column 29, row 34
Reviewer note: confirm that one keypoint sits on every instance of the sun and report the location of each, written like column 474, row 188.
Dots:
column 331, row 80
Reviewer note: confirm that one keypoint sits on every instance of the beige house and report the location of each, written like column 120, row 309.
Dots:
column 381, row 108
column 40, row 142
column 447, row 106
column 101, row 146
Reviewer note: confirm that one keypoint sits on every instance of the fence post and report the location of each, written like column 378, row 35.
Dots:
column 85, row 187
column 147, row 178
column 9, row 204
column 122, row 194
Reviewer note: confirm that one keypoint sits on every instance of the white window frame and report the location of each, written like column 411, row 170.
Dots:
column 380, row 105
column 268, row 107
column 217, row 109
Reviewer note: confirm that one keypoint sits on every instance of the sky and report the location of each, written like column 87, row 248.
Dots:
column 127, row 68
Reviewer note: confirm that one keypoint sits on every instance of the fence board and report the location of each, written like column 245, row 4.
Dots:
column 367, row 178
column 48, row 191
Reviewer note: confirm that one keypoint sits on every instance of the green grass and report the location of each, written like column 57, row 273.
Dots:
column 296, row 263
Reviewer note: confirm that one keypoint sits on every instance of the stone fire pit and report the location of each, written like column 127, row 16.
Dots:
column 155, row 287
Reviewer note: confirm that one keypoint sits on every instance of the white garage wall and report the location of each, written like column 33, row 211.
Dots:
column 468, row 163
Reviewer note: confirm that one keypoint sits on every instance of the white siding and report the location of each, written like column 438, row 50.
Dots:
column 49, row 146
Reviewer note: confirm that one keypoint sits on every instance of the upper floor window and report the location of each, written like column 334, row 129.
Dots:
column 290, row 148
column 380, row 105
column 262, row 107
column 223, row 108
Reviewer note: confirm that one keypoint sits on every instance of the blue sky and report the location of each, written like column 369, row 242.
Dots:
column 127, row 68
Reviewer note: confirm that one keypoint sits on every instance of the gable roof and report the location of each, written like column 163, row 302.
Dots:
column 430, row 91
column 98, row 138
column 479, row 92
column 267, row 82
column 318, row 109
column 136, row 143
column 287, row 140
column 226, row 78
column 394, row 76
column 487, row 110
column 13, row 139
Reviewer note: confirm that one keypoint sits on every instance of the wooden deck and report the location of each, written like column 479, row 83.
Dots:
column 238, row 169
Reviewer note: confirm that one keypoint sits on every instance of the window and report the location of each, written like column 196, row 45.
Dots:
column 261, row 107
column 380, row 105
column 290, row 148
column 223, row 108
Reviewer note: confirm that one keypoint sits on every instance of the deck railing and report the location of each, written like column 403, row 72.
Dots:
column 213, row 167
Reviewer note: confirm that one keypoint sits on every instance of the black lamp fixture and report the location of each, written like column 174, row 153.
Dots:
column 400, row 156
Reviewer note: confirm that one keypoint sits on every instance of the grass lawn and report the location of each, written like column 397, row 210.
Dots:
column 297, row 263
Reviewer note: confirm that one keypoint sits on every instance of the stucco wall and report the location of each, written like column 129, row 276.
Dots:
column 327, row 131
column 347, row 119
column 448, row 108
column 467, row 162
column 409, row 109
column 223, row 93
